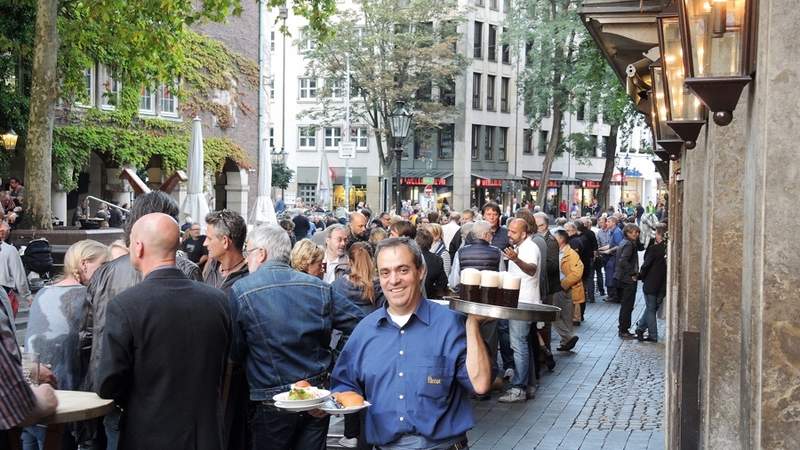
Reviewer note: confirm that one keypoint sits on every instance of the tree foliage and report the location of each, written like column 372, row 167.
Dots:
column 281, row 175
column 566, row 71
column 398, row 50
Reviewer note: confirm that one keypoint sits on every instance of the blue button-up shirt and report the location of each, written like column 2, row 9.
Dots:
column 415, row 376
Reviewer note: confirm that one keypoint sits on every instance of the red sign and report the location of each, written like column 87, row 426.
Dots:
column 420, row 181
column 428, row 190
column 590, row 184
column 550, row 184
column 481, row 182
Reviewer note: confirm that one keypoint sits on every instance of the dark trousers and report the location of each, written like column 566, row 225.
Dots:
column 588, row 282
column 627, row 297
column 504, row 336
column 598, row 274
column 272, row 429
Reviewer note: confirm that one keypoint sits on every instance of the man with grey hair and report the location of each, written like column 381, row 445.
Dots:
column 282, row 321
column 335, row 261
column 451, row 228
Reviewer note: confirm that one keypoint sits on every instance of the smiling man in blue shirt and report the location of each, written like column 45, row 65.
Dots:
column 417, row 362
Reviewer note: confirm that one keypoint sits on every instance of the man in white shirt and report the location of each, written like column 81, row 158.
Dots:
column 335, row 252
column 451, row 228
column 524, row 260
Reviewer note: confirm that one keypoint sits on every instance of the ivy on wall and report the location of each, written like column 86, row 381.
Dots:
column 120, row 137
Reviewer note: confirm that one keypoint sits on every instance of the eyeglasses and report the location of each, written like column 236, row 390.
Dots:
column 247, row 252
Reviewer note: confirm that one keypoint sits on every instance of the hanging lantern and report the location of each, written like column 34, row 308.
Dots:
column 665, row 136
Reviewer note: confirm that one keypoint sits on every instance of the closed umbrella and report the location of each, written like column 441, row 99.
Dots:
column 195, row 204
column 324, row 186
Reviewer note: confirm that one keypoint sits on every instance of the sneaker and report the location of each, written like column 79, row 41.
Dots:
column 509, row 374
column 513, row 395
column 348, row 443
column 530, row 392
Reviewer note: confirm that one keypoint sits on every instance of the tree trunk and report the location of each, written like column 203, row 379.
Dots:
column 550, row 156
column 608, row 171
column 44, row 89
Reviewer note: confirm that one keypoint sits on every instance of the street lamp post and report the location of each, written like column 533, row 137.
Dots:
column 400, row 120
column 623, row 168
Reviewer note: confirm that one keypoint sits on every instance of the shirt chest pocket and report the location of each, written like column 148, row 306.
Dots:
column 433, row 377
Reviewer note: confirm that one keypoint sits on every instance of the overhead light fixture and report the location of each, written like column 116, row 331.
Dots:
column 718, row 41
column 9, row 139
column 665, row 137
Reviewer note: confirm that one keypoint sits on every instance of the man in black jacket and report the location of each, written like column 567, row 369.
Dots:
column 166, row 378
column 654, row 275
column 626, row 273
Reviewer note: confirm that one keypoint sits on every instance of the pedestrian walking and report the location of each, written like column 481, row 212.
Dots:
column 572, row 292
column 653, row 274
column 626, row 273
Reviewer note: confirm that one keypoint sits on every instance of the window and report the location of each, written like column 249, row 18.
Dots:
column 309, row 43
column 308, row 88
column 504, row 86
column 502, row 148
column 492, row 43
column 542, row 142
column 506, row 48
column 527, row 142
column 490, row 92
column 307, row 138
column 605, row 146
column 333, row 138
column 424, row 33
column 335, row 88
column 449, row 31
column 110, row 95
column 447, row 93
column 360, row 137
column 308, row 192
column 86, row 98
column 506, row 6
column 580, row 111
column 146, row 101
column 272, row 41
column 168, row 102
column 592, row 145
column 528, row 52
column 476, row 91
column 489, row 156
column 477, row 41
column 476, row 140
column 478, row 2
column 446, row 136
column 493, row 5
column 425, row 92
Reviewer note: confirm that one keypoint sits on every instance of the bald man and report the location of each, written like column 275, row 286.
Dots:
column 357, row 229
column 165, row 342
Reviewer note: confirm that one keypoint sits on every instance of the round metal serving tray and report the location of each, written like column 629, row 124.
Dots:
column 526, row 312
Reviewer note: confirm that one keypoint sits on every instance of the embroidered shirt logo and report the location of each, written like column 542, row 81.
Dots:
column 432, row 380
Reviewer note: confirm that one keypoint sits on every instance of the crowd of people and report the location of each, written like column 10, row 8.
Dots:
column 193, row 329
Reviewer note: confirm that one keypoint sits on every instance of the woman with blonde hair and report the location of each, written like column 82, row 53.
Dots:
column 438, row 248
column 377, row 235
column 55, row 320
column 307, row 257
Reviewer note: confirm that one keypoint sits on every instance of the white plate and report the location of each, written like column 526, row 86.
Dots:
column 322, row 395
column 296, row 408
column 350, row 410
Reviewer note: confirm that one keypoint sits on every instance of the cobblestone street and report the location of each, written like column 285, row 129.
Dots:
column 607, row 394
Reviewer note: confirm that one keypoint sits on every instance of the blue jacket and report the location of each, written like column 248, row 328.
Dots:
column 282, row 321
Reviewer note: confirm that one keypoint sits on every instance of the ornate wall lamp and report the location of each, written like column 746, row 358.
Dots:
column 718, row 41
column 665, row 136
column 686, row 115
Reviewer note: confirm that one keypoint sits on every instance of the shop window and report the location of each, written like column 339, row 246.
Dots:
column 490, row 92
column 476, row 91
column 527, row 142
column 492, row 49
column 504, row 87
column 477, row 40
column 446, row 137
column 476, row 140
column 308, row 192
column 502, row 150
column 489, row 155
column 333, row 138
column 542, row 142
column 307, row 138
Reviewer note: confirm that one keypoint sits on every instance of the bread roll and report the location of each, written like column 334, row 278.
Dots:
column 349, row 399
column 301, row 384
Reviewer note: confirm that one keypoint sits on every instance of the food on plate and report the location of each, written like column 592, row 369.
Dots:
column 301, row 384
column 302, row 390
column 349, row 399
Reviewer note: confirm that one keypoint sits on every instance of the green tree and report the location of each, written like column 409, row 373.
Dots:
column 281, row 175
column 398, row 50
column 140, row 42
column 565, row 71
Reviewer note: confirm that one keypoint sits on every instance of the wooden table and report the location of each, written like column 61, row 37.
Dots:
column 73, row 406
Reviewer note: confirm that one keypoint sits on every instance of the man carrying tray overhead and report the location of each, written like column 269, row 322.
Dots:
column 415, row 361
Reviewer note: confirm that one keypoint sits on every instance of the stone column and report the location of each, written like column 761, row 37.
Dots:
column 58, row 200
column 236, row 191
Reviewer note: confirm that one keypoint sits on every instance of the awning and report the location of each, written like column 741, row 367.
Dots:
column 421, row 173
column 589, row 176
column 537, row 175
column 496, row 175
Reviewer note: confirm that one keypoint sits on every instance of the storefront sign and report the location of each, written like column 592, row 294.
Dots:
column 423, row 181
column 590, row 184
column 550, row 184
column 482, row 182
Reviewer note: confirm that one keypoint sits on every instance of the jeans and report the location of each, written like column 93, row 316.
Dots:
column 519, row 331
column 111, row 423
column 272, row 429
column 648, row 319
column 627, row 297
column 33, row 437
column 506, row 352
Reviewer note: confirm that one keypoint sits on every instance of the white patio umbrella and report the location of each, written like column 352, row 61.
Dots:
column 324, row 185
column 265, row 209
column 195, row 204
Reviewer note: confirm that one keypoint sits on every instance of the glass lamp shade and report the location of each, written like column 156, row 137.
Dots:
column 400, row 120
column 717, row 40
column 686, row 113
column 665, row 136
column 9, row 140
